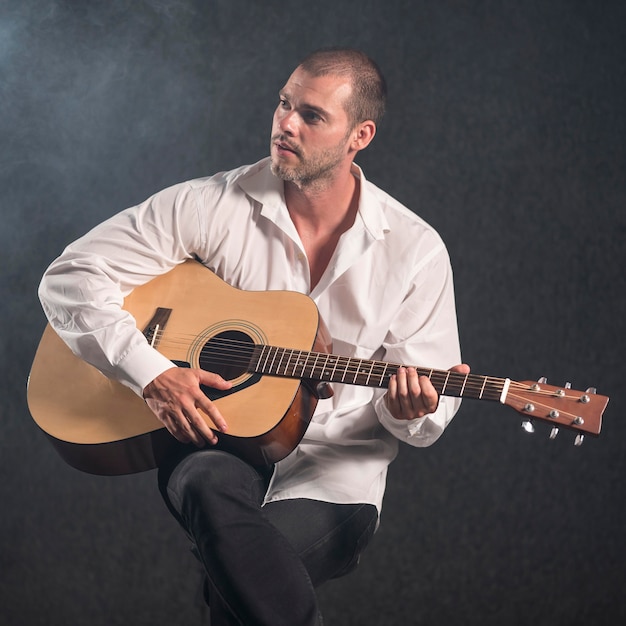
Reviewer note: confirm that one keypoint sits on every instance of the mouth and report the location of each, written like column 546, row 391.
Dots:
column 284, row 147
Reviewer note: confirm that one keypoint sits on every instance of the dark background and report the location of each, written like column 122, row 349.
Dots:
column 505, row 130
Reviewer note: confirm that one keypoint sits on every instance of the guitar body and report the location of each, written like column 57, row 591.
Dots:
column 102, row 427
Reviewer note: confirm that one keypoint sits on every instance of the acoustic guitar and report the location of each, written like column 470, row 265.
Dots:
column 275, row 349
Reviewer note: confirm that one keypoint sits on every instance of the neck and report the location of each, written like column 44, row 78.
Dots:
column 325, row 205
column 321, row 216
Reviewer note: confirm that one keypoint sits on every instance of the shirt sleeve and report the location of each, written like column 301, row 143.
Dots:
column 424, row 334
column 82, row 292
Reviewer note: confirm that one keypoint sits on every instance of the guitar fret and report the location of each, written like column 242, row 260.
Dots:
column 463, row 387
column 306, row 363
column 319, row 367
column 383, row 381
column 325, row 371
column 259, row 366
column 293, row 362
column 266, row 355
column 289, row 365
column 317, row 356
column 482, row 389
column 381, row 373
column 282, row 356
column 295, row 356
column 275, row 354
column 302, row 364
column 435, row 377
column 445, row 384
column 283, row 353
column 456, row 384
column 345, row 370
column 357, row 371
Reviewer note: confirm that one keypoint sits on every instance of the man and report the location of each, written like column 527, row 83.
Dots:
column 305, row 219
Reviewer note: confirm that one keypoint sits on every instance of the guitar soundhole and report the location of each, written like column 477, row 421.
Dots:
column 227, row 354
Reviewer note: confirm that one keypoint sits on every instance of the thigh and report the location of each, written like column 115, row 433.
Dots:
column 209, row 479
column 328, row 537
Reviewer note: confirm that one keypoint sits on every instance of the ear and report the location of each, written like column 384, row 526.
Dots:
column 362, row 135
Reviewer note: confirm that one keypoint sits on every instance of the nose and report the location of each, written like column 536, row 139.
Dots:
column 287, row 122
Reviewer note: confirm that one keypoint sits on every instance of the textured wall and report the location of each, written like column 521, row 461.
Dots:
column 506, row 131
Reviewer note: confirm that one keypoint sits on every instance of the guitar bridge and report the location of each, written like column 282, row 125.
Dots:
column 153, row 331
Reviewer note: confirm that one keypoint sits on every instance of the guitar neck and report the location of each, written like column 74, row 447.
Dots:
column 332, row 368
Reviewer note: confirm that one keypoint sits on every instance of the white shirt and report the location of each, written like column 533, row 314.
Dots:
column 387, row 294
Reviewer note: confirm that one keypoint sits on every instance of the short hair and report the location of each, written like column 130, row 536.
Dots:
column 369, row 88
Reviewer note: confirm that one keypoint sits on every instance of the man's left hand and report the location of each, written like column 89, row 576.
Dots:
column 411, row 396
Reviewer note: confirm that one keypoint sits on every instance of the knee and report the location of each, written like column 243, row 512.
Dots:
column 204, row 470
column 209, row 476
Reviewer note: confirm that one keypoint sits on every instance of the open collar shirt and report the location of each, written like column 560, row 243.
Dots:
column 387, row 294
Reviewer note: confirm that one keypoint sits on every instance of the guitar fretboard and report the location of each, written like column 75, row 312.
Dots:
column 321, row 366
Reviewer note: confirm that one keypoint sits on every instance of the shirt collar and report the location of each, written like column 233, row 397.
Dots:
column 268, row 190
column 371, row 208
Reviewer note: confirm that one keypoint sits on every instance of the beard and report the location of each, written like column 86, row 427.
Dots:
column 313, row 170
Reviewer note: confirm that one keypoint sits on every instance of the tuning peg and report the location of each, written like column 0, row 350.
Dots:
column 554, row 432
column 568, row 385
column 585, row 399
column 543, row 380
column 579, row 439
column 527, row 425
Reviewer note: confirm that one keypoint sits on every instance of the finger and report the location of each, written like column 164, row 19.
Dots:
column 178, row 426
column 201, row 428
column 414, row 386
column 424, row 397
column 408, row 391
column 201, row 432
column 172, row 418
column 206, row 405
column 211, row 379
column 191, row 422
column 428, row 396
column 391, row 397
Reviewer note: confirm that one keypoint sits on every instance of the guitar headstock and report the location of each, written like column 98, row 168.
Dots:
column 561, row 407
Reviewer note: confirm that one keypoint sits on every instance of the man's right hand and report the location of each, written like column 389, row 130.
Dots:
column 175, row 398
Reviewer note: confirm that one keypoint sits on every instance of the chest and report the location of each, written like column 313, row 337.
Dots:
column 319, row 252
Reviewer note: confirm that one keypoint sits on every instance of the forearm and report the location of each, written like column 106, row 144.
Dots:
column 423, row 335
column 85, row 310
column 82, row 292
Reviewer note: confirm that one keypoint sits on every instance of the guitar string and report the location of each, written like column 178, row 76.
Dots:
column 236, row 348
column 232, row 346
column 477, row 386
column 229, row 357
column 238, row 353
column 546, row 406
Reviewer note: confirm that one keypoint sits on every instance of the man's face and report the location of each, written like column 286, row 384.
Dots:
column 311, row 130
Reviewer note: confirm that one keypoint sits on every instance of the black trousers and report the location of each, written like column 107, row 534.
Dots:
column 262, row 562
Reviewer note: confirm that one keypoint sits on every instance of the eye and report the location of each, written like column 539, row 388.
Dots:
column 282, row 103
column 311, row 117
